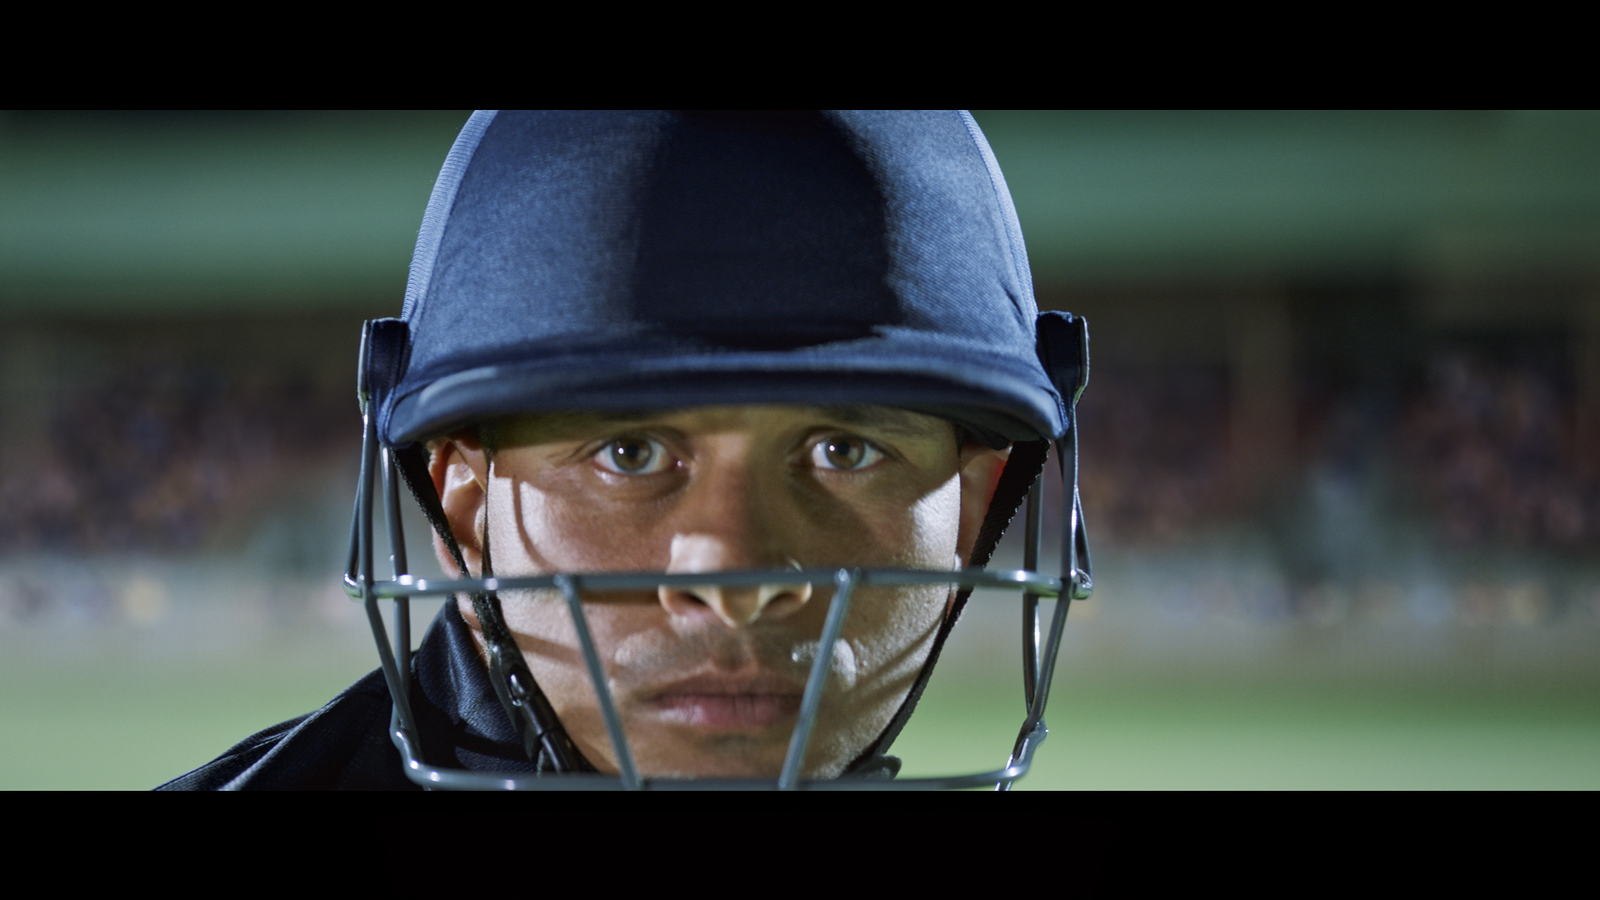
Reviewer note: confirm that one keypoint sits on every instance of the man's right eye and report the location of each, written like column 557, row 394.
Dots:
column 634, row 456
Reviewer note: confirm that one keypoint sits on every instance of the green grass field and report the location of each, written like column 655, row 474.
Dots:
column 1229, row 734
column 95, row 726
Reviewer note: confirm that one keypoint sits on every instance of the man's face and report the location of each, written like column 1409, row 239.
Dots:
column 708, row 680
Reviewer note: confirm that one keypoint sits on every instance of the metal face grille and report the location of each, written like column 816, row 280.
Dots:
column 1040, row 647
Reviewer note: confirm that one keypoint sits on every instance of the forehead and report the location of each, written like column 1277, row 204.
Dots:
column 772, row 418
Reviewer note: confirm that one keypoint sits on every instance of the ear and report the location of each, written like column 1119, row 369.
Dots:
column 460, row 471
column 980, row 475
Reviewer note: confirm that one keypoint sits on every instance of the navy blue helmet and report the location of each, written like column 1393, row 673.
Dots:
column 609, row 261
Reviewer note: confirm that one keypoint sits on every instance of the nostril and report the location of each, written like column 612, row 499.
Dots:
column 778, row 601
column 735, row 606
column 683, row 601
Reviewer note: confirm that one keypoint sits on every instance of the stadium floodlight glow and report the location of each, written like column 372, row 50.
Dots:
column 1040, row 646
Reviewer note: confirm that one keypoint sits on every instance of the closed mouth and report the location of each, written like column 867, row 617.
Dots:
column 728, row 703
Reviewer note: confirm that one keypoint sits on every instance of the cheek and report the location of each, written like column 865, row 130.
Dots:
column 551, row 529
column 890, row 633
column 935, row 527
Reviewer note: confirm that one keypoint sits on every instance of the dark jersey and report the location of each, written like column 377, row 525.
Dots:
column 345, row 745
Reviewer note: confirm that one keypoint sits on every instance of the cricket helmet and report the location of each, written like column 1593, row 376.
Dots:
column 573, row 261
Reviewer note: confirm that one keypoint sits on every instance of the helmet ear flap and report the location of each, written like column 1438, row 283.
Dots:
column 1062, row 343
column 385, row 354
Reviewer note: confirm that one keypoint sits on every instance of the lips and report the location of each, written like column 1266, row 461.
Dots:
column 728, row 703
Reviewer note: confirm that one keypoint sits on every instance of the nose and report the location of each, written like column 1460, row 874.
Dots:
column 734, row 606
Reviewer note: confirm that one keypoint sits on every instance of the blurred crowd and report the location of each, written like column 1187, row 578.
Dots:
column 1154, row 453
column 1495, row 459
column 1480, row 454
column 164, row 457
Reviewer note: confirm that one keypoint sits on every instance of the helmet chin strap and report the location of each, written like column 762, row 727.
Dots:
column 530, row 712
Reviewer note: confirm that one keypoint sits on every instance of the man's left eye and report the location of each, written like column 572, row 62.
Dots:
column 844, row 453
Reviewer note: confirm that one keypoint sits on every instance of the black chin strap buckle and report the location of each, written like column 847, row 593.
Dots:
column 530, row 711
